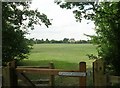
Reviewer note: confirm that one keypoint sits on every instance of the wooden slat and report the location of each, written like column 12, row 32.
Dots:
column 43, row 71
column 33, row 66
column 42, row 85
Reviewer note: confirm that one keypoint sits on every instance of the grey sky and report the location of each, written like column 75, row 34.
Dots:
column 64, row 24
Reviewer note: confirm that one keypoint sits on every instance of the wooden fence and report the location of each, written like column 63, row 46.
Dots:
column 12, row 72
column 100, row 78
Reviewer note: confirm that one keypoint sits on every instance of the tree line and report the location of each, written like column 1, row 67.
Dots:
column 65, row 41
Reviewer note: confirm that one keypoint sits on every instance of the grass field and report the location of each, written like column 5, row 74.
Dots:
column 62, row 53
column 64, row 56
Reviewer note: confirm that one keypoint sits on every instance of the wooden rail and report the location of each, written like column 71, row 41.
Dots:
column 43, row 71
column 33, row 67
column 114, row 79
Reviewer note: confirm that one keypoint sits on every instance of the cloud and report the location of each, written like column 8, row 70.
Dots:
column 64, row 24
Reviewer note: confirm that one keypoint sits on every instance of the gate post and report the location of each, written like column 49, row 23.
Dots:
column 99, row 78
column 52, row 77
column 14, row 78
column 9, row 75
column 82, row 79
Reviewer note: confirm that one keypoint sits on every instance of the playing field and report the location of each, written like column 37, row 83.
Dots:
column 61, row 54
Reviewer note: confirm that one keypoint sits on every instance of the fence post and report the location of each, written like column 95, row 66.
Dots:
column 82, row 79
column 52, row 77
column 6, row 76
column 14, row 78
column 99, row 78
column 9, row 75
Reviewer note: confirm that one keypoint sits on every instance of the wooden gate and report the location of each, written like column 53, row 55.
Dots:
column 11, row 73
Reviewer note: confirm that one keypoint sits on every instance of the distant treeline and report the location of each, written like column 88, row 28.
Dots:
column 65, row 40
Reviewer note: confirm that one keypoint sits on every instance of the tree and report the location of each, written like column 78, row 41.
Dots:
column 65, row 40
column 108, row 30
column 106, row 16
column 42, row 41
column 17, row 18
column 47, row 41
column 72, row 40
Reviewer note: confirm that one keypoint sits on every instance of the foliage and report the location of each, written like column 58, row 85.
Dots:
column 65, row 40
column 17, row 18
column 106, row 16
column 108, row 30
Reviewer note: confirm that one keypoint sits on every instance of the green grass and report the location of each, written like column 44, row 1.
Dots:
column 60, row 53
column 64, row 56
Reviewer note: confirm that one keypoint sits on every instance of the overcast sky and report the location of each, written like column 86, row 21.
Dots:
column 64, row 24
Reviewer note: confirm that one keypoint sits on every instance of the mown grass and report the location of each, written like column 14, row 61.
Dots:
column 72, row 53
column 64, row 56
